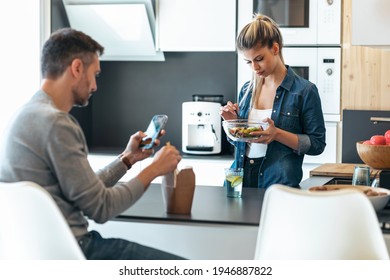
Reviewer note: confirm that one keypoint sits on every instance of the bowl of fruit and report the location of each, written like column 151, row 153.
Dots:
column 376, row 151
column 241, row 129
column 379, row 197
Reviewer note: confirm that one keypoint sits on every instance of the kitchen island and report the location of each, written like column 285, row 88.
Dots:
column 217, row 228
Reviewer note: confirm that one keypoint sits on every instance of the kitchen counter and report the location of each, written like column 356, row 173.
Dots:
column 209, row 169
column 217, row 228
column 208, row 157
column 210, row 205
column 115, row 152
column 215, row 220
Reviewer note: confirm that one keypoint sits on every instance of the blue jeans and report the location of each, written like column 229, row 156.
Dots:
column 251, row 172
column 95, row 247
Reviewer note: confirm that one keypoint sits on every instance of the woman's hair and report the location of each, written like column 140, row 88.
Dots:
column 261, row 32
column 65, row 45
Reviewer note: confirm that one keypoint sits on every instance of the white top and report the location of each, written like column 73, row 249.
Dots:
column 257, row 150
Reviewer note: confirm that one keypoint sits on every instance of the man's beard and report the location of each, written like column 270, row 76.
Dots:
column 80, row 102
column 81, row 105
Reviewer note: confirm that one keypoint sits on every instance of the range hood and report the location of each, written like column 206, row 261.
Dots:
column 126, row 28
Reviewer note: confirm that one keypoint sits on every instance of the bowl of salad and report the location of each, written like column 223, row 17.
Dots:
column 241, row 129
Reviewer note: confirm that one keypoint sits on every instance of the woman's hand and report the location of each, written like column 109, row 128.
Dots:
column 268, row 134
column 273, row 133
column 229, row 111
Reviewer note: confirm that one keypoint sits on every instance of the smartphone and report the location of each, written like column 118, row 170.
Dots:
column 157, row 123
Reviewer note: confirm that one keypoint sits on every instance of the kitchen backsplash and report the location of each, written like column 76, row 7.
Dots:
column 130, row 93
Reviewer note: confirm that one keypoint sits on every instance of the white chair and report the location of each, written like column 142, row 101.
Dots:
column 328, row 225
column 32, row 226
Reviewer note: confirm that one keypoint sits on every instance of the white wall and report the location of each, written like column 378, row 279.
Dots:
column 20, row 51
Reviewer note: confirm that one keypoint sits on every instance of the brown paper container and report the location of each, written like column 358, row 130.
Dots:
column 178, row 191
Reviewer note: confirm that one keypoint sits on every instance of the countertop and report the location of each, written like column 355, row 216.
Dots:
column 116, row 152
column 210, row 205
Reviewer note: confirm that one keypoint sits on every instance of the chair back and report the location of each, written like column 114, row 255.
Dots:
column 329, row 225
column 32, row 226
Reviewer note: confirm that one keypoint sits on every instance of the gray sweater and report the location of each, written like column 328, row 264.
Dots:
column 47, row 146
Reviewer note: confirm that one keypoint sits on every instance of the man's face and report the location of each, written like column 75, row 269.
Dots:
column 87, row 84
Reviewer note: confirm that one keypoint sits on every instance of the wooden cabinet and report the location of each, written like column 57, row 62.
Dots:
column 196, row 25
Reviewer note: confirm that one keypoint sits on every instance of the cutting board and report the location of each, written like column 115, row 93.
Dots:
column 339, row 170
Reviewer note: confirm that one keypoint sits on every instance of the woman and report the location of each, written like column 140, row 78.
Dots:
column 289, row 104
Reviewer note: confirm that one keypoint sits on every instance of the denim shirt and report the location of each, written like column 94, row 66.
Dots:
column 297, row 109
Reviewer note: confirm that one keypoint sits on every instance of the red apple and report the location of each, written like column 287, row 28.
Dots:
column 367, row 142
column 378, row 140
column 387, row 136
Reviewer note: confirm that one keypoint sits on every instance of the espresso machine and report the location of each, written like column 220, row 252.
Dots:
column 201, row 127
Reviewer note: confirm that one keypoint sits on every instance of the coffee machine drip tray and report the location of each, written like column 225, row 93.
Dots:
column 200, row 149
column 201, row 137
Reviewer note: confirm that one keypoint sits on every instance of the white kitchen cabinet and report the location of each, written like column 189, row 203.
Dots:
column 208, row 172
column 196, row 25
column 329, row 155
column 370, row 22
column 98, row 161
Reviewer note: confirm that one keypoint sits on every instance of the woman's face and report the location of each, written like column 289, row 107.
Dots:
column 262, row 60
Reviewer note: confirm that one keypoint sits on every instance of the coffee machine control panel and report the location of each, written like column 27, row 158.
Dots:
column 201, row 116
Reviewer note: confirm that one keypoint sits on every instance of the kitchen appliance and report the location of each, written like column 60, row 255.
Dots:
column 126, row 28
column 321, row 66
column 311, row 31
column 303, row 22
column 201, row 127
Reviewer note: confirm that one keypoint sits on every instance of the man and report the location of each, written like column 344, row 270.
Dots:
column 46, row 145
